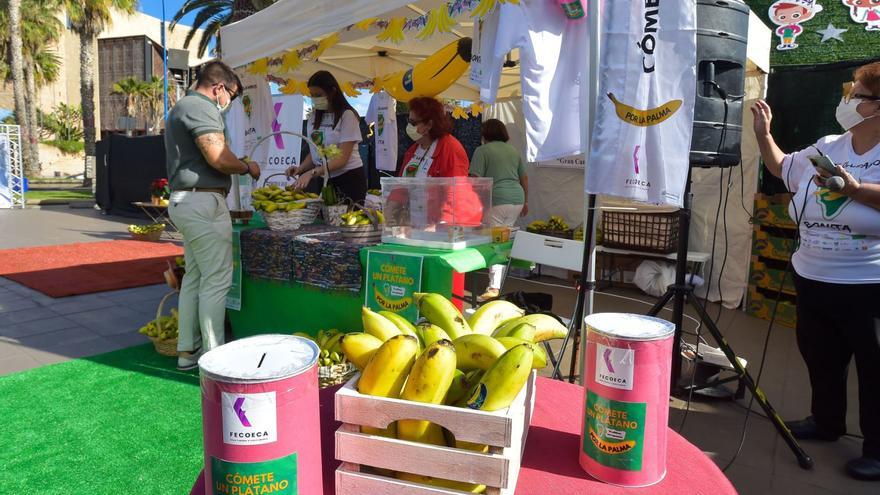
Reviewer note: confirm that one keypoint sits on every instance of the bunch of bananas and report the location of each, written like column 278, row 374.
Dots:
column 169, row 327
column 328, row 342
column 329, row 152
column 374, row 192
column 579, row 234
column 274, row 198
column 481, row 363
column 363, row 217
column 146, row 229
column 179, row 261
column 555, row 222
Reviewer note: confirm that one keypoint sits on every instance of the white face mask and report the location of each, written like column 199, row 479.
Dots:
column 413, row 132
column 847, row 115
column 320, row 103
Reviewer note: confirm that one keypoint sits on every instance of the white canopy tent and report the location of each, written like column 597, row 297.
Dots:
column 359, row 56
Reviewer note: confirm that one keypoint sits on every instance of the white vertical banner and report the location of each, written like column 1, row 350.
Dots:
column 644, row 120
column 284, row 149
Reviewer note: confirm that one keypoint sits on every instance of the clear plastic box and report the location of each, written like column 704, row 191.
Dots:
column 437, row 212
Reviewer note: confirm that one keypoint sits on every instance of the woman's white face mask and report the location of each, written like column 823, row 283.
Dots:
column 320, row 103
column 847, row 114
column 413, row 132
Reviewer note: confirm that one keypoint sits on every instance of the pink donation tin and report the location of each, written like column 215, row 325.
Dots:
column 628, row 362
column 260, row 417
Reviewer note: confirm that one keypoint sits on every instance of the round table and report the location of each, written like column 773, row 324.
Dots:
column 550, row 463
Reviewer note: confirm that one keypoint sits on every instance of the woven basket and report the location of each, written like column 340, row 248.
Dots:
column 336, row 374
column 153, row 236
column 361, row 234
column 166, row 347
column 655, row 232
column 333, row 214
column 294, row 219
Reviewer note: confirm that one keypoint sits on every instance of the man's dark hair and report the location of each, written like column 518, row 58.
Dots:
column 217, row 72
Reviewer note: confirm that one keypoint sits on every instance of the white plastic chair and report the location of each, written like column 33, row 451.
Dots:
column 548, row 251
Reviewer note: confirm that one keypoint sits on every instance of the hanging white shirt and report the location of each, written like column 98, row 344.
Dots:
column 383, row 113
column 249, row 119
column 839, row 237
column 553, row 63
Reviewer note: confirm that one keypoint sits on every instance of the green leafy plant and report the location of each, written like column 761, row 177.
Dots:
column 67, row 147
column 64, row 123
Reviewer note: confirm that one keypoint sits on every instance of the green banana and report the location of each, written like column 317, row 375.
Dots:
column 428, row 381
column 492, row 315
column 431, row 333
column 546, row 327
column 462, row 385
column 502, row 382
column 540, row 359
column 402, row 323
column 377, row 325
column 359, row 348
column 441, row 312
column 524, row 331
column 477, row 351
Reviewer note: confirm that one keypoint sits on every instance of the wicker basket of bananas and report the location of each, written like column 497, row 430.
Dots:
column 362, row 226
column 152, row 232
column 286, row 208
column 333, row 367
column 163, row 330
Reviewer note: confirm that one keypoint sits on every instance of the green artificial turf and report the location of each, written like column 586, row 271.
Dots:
column 76, row 195
column 125, row 422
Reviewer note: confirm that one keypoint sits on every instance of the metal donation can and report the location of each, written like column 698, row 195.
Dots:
column 260, row 417
column 628, row 362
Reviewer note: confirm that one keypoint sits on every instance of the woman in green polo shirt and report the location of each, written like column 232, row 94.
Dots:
column 504, row 164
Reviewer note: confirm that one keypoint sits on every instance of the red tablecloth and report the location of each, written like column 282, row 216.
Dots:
column 550, row 464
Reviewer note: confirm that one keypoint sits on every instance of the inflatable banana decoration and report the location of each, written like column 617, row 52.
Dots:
column 644, row 118
column 433, row 75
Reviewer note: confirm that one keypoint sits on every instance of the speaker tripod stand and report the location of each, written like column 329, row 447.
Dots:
column 681, row 292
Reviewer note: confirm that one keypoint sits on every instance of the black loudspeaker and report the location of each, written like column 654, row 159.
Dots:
column 722, row 35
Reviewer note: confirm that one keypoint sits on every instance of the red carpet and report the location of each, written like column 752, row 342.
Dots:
column 84, row 268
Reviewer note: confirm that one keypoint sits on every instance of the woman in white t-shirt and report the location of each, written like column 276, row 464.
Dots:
column 333, row 121
column 837, row 264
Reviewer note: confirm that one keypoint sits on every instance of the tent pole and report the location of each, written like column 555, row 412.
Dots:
column 588, row 273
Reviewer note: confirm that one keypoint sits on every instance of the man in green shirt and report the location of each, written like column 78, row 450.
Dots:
column 199, row 167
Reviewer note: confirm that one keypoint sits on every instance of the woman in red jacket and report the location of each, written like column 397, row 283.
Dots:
column 435, row 153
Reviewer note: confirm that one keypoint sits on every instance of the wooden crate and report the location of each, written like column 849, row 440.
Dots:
column 504, row 431
column 768, row 273
column 772, row 210
column 760, row 303
column 767, row 244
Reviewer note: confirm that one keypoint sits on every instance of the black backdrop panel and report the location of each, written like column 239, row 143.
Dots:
column 102, row 176
column 133, row 163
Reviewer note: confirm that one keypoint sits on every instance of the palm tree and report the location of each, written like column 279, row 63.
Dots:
column 88, row 18
column 132, row 88
column 153, row 103
column 18, row 85
column 212, row 15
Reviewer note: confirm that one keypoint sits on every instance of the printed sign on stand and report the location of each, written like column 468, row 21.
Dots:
column 392, row 279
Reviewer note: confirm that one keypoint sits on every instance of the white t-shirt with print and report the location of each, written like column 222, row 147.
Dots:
column 347, row 130
column 839, row 237
column 383, row 113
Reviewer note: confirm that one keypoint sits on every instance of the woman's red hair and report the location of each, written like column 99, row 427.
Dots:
column 431, row 109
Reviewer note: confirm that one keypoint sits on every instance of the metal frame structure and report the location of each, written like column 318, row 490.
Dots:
column 12, row 135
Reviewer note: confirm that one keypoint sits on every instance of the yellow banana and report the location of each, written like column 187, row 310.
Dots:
column 477, row 351
column 540, row 358
column 546, row 327
column 644, row 118
column 431, row 333
column 502, row 382
column 359, row 348
column 377, row 325
column 454, row 485
column 400, row 322
column 386, row 372
column 441, row 312
column 445, row 22
column 380, row 217
column 332, row 343
column 492, row 315
column 430, row 25
column 524, row 331
column 428, row 381
column 431, row 76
